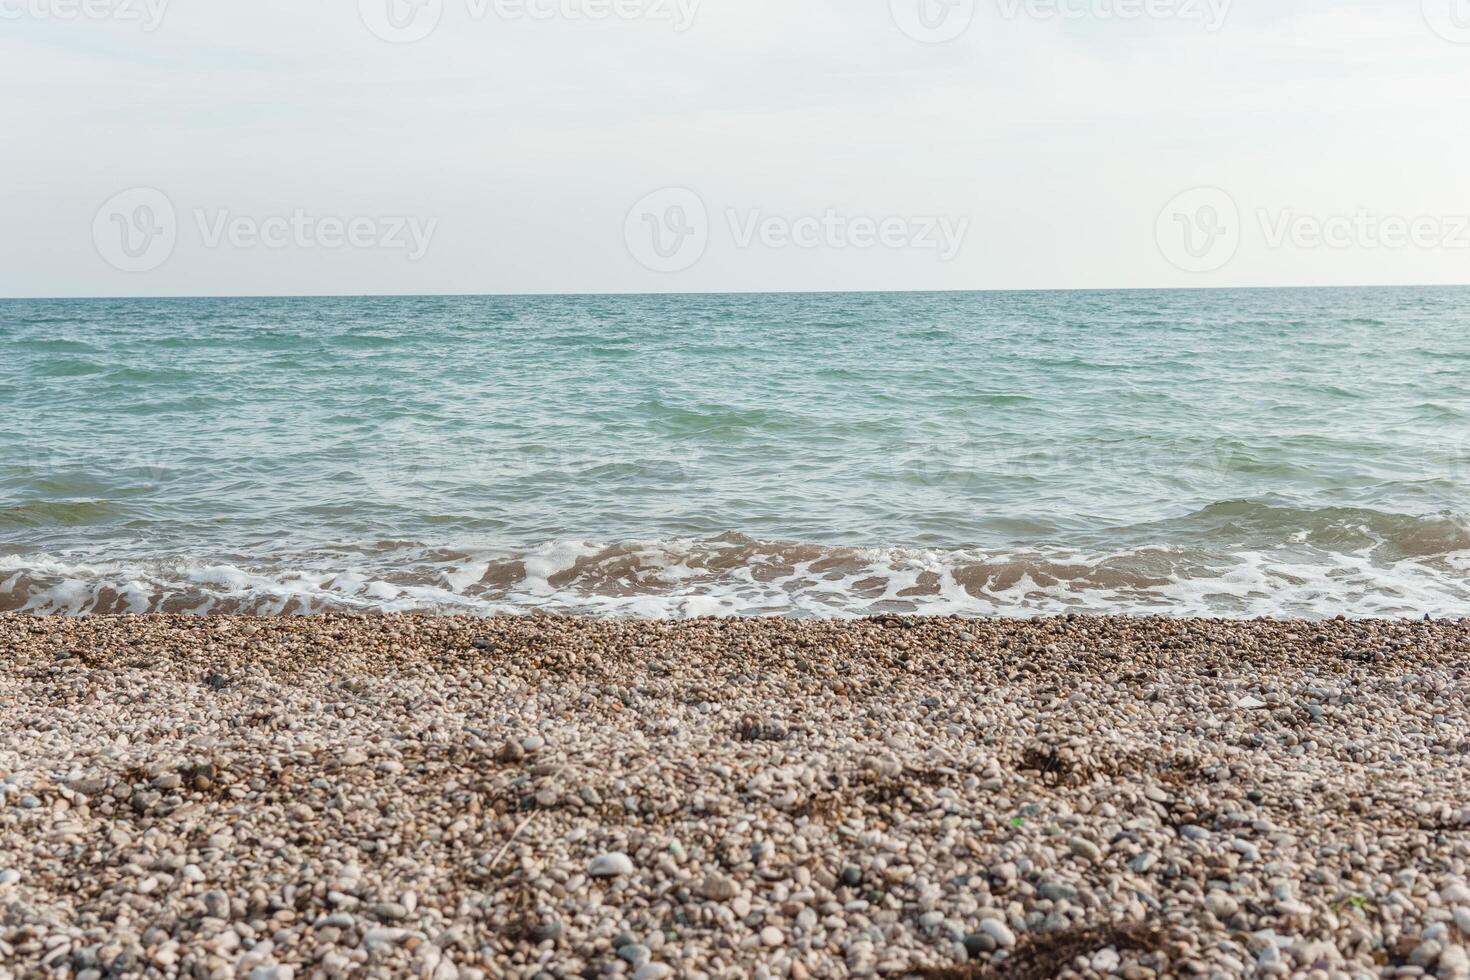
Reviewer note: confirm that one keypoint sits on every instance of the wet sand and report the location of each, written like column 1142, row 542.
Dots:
column 522, row 797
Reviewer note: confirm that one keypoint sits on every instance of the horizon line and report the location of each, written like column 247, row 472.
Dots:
column 730, row 292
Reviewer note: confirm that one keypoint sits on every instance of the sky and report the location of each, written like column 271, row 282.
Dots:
column 274, row 147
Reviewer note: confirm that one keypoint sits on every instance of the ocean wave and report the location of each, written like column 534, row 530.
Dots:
column 733, row 575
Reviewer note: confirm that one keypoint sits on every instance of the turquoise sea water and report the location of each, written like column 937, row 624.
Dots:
column 1237, row 453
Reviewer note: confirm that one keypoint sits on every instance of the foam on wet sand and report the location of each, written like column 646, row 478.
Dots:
column 546, row 796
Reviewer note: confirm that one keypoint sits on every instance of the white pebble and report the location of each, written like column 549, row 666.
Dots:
column 999, row 931
column 612, row 865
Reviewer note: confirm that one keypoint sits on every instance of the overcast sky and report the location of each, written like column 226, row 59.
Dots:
column 208, row 147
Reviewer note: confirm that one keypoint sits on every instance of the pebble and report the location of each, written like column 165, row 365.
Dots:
column 719, row 888
column 1221, row 905
column 1085, row 848
column 634, row 953
column 611, row 865
column 1143, row 862
column 549, row 931
column 1454, row 963
column 1000, row 932
column 977, row 944
column 216, row 904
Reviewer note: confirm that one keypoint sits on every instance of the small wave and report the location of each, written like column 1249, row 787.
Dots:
column 1262, row 525
column 710, row 420
column 136, row 376
column 57, row 345
column 733, row 575
column 68, row 367
column 55, row 513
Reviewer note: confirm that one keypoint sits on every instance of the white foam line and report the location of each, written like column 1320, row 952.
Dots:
column 675, row 580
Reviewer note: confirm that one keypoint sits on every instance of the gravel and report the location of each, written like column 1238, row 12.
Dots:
column 545, row 797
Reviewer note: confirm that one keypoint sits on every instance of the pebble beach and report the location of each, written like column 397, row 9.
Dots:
column 445, row 798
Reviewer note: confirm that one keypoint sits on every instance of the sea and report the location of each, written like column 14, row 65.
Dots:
column 1224, row 453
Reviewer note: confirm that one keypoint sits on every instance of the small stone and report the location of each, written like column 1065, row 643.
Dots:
column 1000, row 932
column 612, row 865
column 273, row 972
column 852, row 876
column 1462, row 919
column 1056, row 891
column 376, row 940
column 1249, row 703
column 216, row 904
column 718, row 888
column 1246, row 849
column 1295, row 911
column 771, row 936
column 652, row 971
column 1085, row 848
column 387, row 911
column 1221, row 905
column 634, row 953
column 9, row 877
column 547, row 932
column 88, row 785
column 1454, row 964
column 1425, row 954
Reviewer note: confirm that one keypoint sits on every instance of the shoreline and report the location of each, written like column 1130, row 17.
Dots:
column 457, row 797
